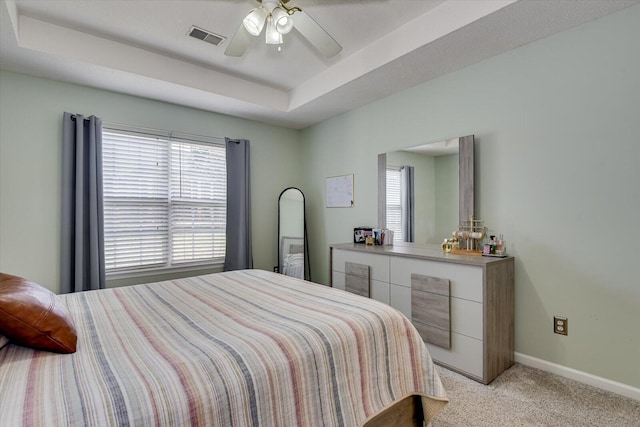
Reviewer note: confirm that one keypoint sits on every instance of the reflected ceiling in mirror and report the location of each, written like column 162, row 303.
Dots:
column 436, row 149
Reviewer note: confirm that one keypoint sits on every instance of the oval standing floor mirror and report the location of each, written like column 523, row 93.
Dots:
column 293, row 251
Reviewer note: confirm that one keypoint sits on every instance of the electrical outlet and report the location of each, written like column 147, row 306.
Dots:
column 560, row 325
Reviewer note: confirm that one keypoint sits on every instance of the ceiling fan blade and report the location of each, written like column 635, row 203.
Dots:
column 239, row 42
column 315, row 34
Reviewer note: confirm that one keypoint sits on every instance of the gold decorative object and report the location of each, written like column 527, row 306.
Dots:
column 469, row 235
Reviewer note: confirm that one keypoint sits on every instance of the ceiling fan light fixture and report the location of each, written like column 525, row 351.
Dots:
column 283, row 22
column 278, row 19
column 272, row 36
column 254, row 21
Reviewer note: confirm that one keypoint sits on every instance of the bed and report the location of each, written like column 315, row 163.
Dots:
column 293, row 265
column 239, row 348
column 292, row 256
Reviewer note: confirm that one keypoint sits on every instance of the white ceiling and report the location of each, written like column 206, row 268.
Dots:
column 141, row 47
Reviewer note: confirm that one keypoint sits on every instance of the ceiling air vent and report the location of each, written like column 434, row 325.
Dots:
column 205, row 35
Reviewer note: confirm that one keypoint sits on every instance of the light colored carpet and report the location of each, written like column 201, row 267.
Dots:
column 524, row 396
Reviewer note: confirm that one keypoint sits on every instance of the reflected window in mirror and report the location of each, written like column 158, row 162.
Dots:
column 394, row 209
column 401, row 202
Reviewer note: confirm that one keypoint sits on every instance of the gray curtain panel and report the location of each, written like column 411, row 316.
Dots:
column 82, row 206
column 407, row 202
column 239, row 253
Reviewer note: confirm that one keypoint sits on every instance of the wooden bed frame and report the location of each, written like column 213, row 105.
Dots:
column 405, row 413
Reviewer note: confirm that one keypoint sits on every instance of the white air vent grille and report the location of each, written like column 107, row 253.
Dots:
column 205, row 35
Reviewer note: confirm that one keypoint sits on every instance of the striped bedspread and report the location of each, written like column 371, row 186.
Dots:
column 243, row 348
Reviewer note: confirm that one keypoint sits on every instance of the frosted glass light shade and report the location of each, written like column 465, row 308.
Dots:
column 254, row 21
column 283, row 22
column 272, row 36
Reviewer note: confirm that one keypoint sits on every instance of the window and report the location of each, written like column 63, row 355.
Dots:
column 394, row 207
column 164, row 201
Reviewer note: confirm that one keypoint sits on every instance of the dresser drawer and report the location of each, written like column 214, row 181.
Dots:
column 379, row 264
column 466, row 318
column 379, row 290
column 464, row 355
column 466, row 280
column 400, row 299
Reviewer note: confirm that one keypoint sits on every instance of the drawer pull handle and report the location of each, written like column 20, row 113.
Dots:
column 357, row 278
column 431, row 309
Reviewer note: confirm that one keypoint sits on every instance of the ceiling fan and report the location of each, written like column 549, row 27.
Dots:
column 278, row 19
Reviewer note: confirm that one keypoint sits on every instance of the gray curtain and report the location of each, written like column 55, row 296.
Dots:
column 82, row 205
column 407, row 202
column 238, row 251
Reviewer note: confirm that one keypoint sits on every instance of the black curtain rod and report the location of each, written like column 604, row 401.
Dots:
column 73, row 118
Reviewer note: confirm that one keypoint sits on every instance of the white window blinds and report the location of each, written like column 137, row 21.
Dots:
column 394, row 208
column 198, row 201
column 164, row 201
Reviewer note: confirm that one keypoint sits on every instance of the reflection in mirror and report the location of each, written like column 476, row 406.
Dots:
column 422, row 192
column 425, row 191
column 292, row 243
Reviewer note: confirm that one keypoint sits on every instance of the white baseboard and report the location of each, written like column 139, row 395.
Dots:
column 583, row 377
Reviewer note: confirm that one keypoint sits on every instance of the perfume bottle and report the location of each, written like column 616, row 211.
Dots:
column 446, row 246
column 501, row 248
column 455, row 243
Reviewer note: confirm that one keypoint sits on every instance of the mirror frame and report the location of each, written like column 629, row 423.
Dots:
column 466, row 185
column 306, row 263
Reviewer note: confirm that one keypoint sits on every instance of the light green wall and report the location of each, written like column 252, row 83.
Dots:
column 291, row 217
column 447, row 200
column 30, row 173
column 557, row 171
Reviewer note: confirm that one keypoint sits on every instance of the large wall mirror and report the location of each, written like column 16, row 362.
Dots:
column 425, row 192
column 292, row 242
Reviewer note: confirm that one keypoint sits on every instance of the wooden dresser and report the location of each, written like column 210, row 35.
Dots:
column 462, row 305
